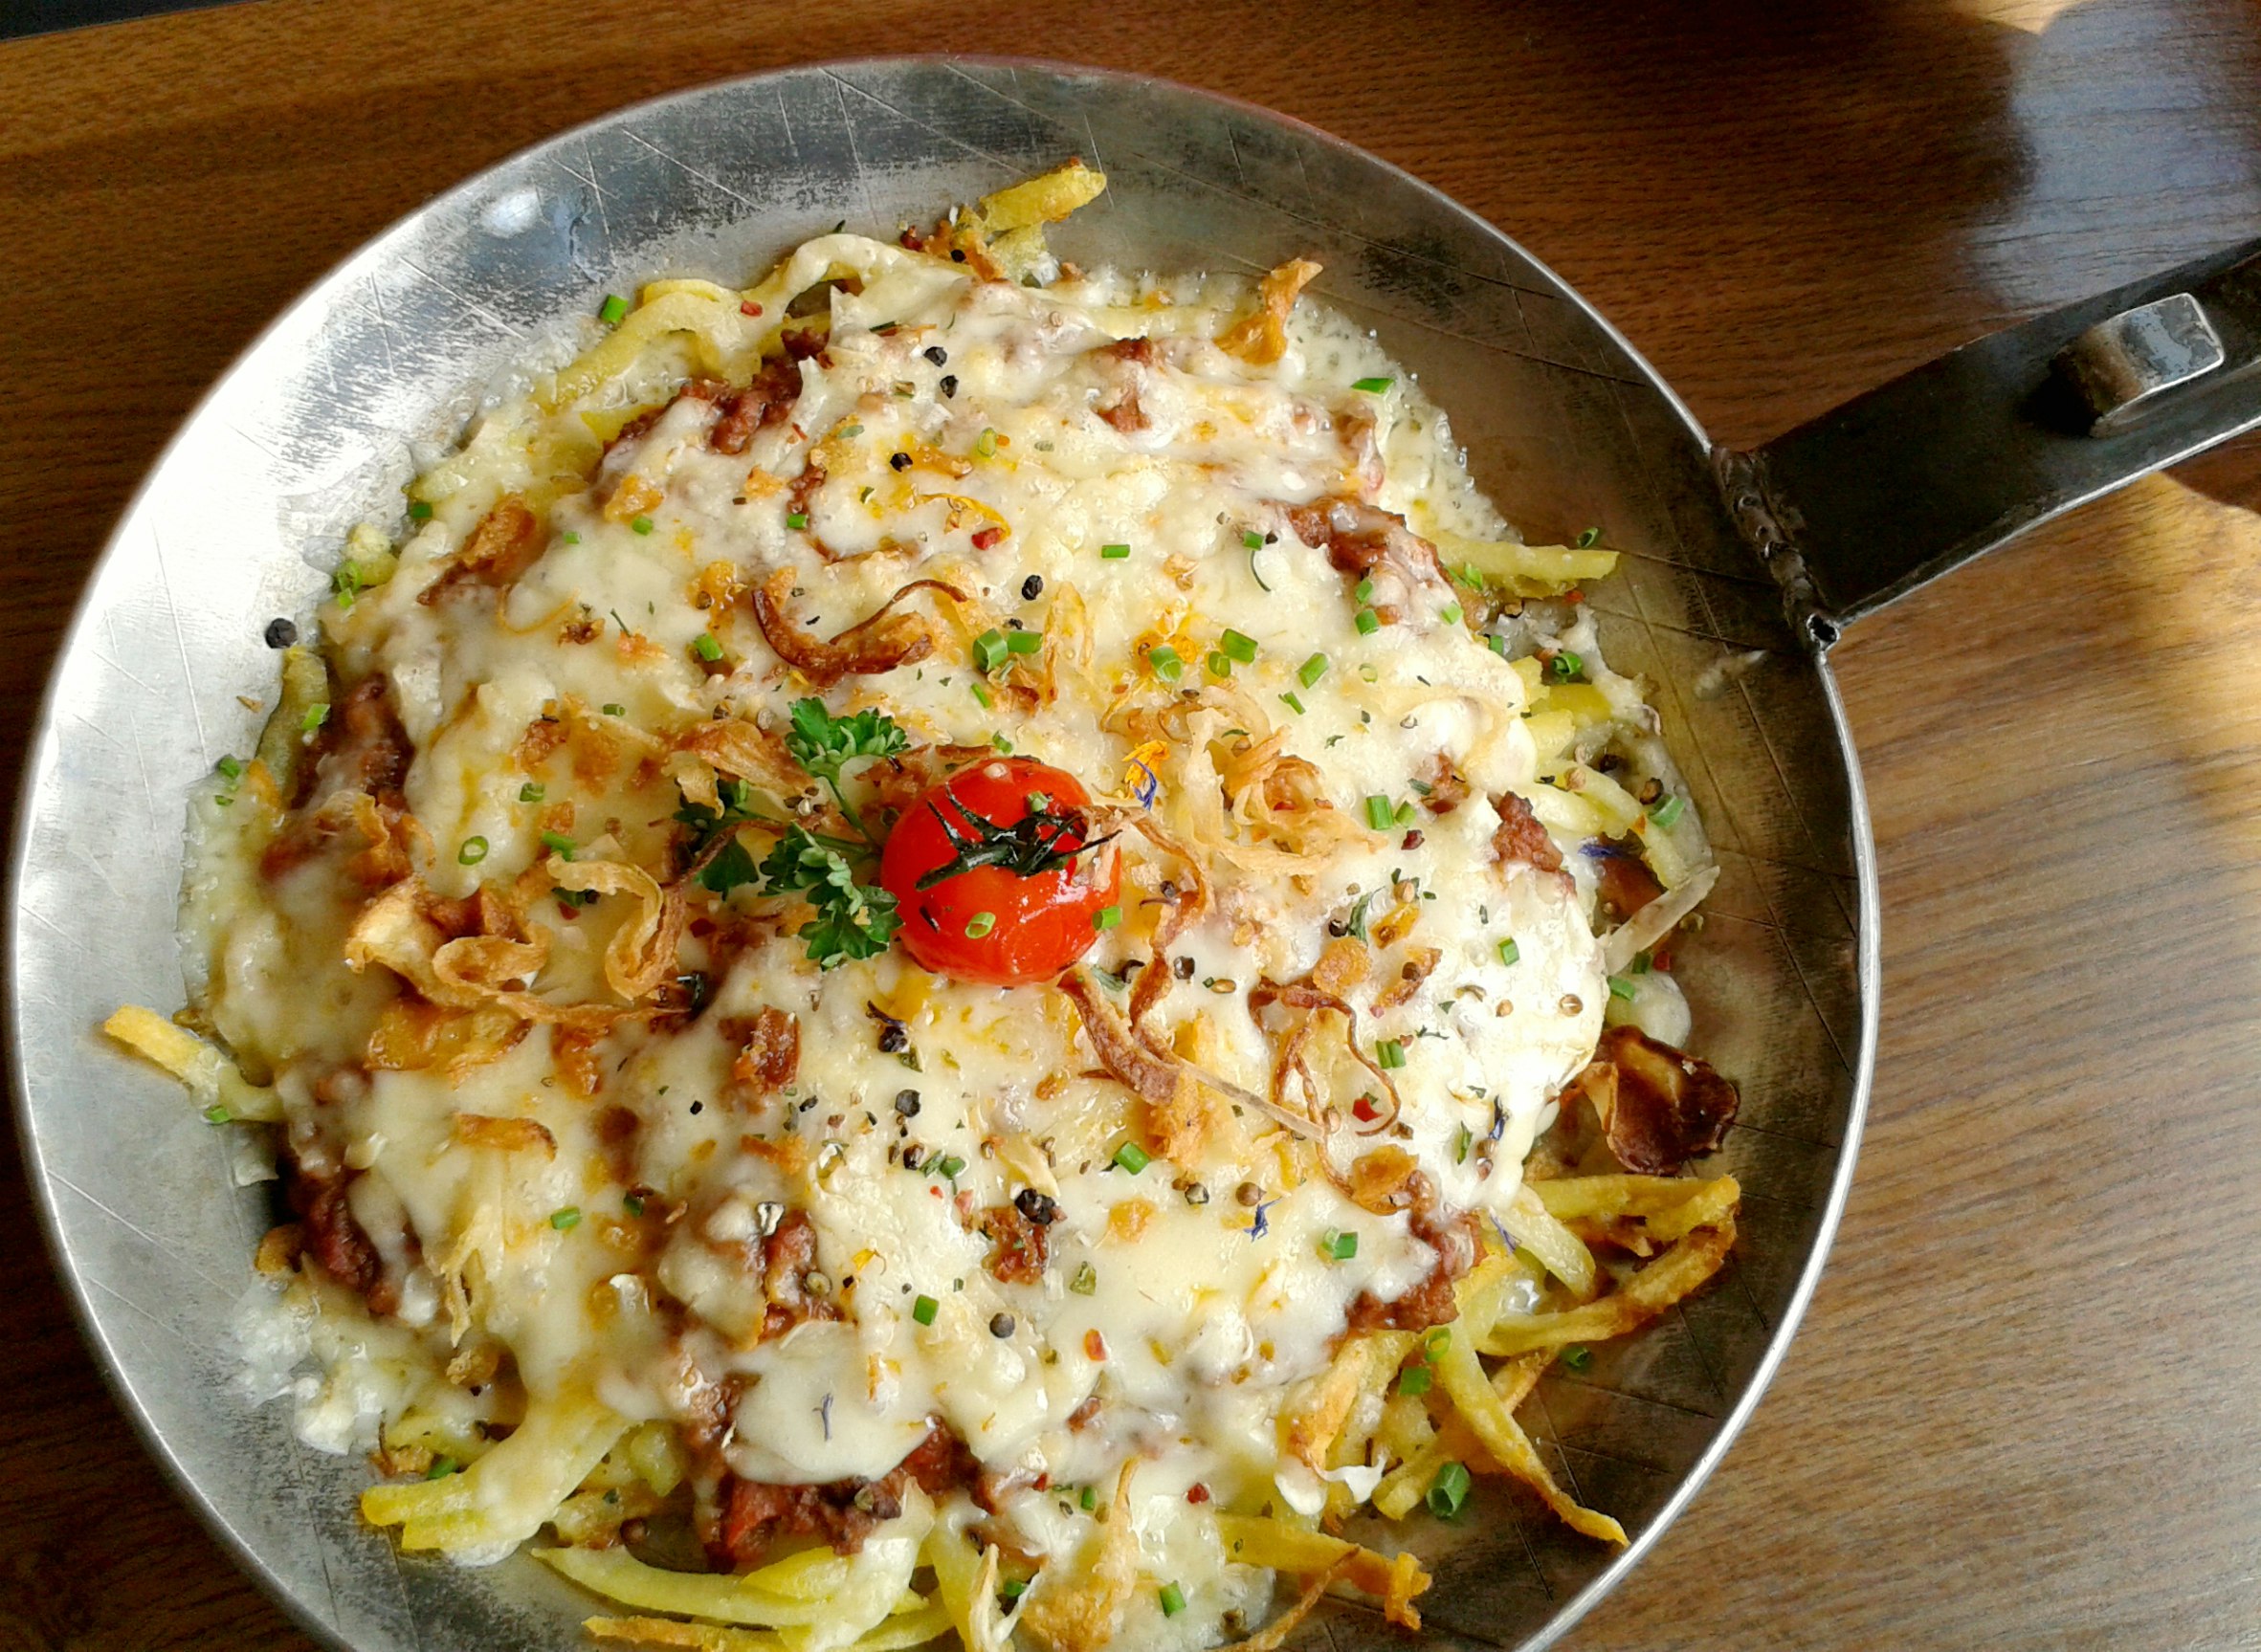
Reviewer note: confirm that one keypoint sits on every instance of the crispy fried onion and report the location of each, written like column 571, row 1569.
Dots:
column 879, row 642
column 1289, row 1059
column 396, row 930
column 1191, row 903
column 1279, row 796
column 1658, row 1107
column 642, row 951
column 1260, row 337
column 1165, row 1080
column 1080, row 1608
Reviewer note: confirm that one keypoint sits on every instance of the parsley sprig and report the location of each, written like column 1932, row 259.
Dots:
column 852, row 919
column 825, row 745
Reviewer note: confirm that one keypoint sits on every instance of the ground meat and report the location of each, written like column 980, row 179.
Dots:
column 842, row 1513
column 1021, row 1245
column 1361, row 540
column 1521, row 839
column 787, row 1258
column 1454, row 1236
column 1447, row 790
column 804, row 488
column 764, row 401
column 1122, row 411
column 333, row 1238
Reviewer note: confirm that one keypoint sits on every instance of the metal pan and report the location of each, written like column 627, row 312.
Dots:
column 1742, row 569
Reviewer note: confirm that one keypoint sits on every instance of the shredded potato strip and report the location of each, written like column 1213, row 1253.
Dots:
column 1487, row 1415
column 502, row 1499
column 907, row 1629
column 1644, row 1296
column 814, row 1601
column 209, row 1076
column 1541, row 1233
column 1668, row 1206
column 1253, row 1540
column 1080, row 1609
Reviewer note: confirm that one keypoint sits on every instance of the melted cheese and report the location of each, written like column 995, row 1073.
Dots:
column 1187, row 1297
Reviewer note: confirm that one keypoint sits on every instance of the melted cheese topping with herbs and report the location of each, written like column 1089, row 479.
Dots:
column 1188, row 1298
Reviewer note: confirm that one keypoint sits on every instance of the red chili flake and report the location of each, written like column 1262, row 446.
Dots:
column 985, row 538
column 1363, row 1110
column 1661, row 960
column 1094, row 1346
column 569, row 912
column 703, row 927
column 1574, row 596
column 1197, row 1493
column 749, row 308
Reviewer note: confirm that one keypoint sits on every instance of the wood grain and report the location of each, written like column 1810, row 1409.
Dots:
column 2020, row 1414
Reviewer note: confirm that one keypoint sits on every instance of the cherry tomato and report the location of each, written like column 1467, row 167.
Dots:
column 1025, row 905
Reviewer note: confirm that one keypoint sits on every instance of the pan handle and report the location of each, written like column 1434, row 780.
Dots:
column 1872, row 498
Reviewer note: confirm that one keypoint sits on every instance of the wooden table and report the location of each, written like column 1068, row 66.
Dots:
column 2022, row 1412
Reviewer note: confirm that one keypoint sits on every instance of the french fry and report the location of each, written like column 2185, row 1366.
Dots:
column 1407, row 1485
column 1668, row 1206
column 1044, row 199
column 1525, row 570
column 1539, row 1231
column 905, row 1629
column 1481, row 1406
column 1644, row 1296
column 1254, row 1540
column 210, row 1077
column 803, row 1590
column 502, row 1499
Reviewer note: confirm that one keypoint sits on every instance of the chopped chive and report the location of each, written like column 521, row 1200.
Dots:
column 1665, row 814
column 986, row 444
column 1023, row 642
column 1311, row 670
column 614, row 709
column 472, row 851
column 1567, row 665
column 419, row 510
column 949, row 1167
column 558, row 843
column 1509, row 951
column 1576, row 1358
column 640, row 524
column 1365, row 590
column 571, row 537
column 1463, row 1139
column 1389, row 1053
column 1338, row 1245
column 1620, row 987
column 924, row 1310
column 1239, row 645
column 1293, row 703
column 561, row 1220
column 1380, row 813
column 1373, row 386
column 1090, row 1500
column 989, row 650
column 1413, row 1380
column 532, row 792
column 317, row 715
column 981, row 693
column 1449, row 613
column 1220, row 663
column 848, row 431
column 1368, row 622
column 706, row 648
column 979, row 925
column 613, row 310
column 1252, row 538
column 1164, row 661
column 1133, row 1157
column 797, row 519
column 230, row 767
column 1085, row 1282
column 1106, row 917
column 1498, row 644
column 1012, row 1588
column 1590, row 536
column 218, row 1114
column 441, row 1467
column 1003, row 745
column 1173, row 1600
column 1114, row 553
column 1449, row 1491
column 1403, row 814
column 633, row 1204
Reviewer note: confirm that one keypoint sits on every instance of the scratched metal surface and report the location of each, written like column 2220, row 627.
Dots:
column 325, row 418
